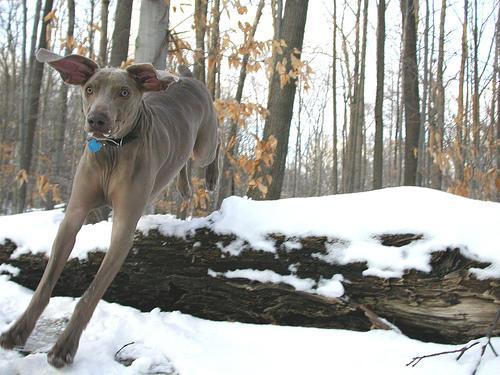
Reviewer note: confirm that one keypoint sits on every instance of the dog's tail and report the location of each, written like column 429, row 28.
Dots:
column 184, row 71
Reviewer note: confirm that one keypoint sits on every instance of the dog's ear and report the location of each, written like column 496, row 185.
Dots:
column 74, row 69
column 150, row 79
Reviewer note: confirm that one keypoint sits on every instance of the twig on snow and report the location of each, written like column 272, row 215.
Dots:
column 416, row 360
column 488, row 341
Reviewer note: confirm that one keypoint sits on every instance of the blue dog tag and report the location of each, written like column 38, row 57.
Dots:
column 94, row 145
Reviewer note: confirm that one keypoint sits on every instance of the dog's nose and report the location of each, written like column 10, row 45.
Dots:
column 97, row 121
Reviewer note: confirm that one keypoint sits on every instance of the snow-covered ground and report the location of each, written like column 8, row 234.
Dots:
column 200, row 347
column 196, row 346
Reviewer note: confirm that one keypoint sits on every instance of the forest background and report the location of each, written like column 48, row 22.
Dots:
column 314, row 97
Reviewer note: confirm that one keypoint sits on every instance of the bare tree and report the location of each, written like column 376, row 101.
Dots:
column 334, row 182
column 60, row 132
column 280, row 104
column 103, row 41
column 459, row 154
column 33, row 105
column 436, row 136
column 410, row 91
column 213, row 53
column 91, row 29
column 152, row 38
column 200, row 27
column 379, row 99
column 496, row 78
column 121, row 33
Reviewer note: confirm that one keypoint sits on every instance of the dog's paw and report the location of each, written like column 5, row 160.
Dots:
column 61, row 356
column 211, row 178
column 16, row 336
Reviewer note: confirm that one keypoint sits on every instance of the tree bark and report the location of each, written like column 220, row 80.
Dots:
column 213, row 53
column 58, row 149
column 424, row 112
column 121, row 33
column 103, row 41
column 497, row 73
column 35, row 84
column 281, row 99
column 91, row 30
column 410, row 91
column 378, row 157
column 436, row 136
column 334, row 182
column 200, row 27
column 445, row 305
column 353, row 147
column 152, row 39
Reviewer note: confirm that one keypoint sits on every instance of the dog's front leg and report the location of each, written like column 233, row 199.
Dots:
column 84, row 197
column 125, row 218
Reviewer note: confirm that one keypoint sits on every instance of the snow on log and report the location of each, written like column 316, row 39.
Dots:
column 335, row 262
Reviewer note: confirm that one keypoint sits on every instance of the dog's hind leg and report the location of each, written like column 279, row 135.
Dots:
column 184, row 182
column 212, row 172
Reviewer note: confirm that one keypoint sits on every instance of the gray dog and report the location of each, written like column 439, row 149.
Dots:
column 144, row 127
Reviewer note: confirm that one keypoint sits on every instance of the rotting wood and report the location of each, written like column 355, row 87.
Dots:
column 447, row 304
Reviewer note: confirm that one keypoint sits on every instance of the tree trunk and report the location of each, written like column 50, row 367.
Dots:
column 213, row 53
column 359, row 154
column 436, row 136
column 410, row 91
column 378, row 157
column 35, row 84
column 458, row 146
column 91, row 30
column 424, row 112
column 334, row 182
column 103, row 41
column 444, row 305
column 200, row 27
column 121, row 33
column 152, row 39
column 58, row 158
column 281, row 99
column 497, row 69
column 353, row 147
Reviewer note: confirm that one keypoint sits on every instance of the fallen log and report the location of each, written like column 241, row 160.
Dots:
column 447, row 304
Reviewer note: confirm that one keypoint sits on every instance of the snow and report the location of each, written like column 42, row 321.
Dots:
column 162, row 341
column 268, row 276
column 195, row 346
column 354, row 220
column 35, row 232
column 331, row 288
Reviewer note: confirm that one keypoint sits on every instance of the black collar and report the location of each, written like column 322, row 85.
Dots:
column 120, row 141
column 96, row 144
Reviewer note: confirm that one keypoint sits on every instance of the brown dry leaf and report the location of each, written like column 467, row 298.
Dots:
column 22, row 177
column 43, row 186
column 51, row 15
column 241, row 9
column 262, row 188
column 56, row 194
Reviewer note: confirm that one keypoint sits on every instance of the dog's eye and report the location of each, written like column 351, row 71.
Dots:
column 89, row 90
column 124, row 93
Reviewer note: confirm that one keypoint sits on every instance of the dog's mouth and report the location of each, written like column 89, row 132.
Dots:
column 99, row 135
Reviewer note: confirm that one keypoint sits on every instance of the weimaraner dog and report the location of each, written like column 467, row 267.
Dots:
column 144, row 127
